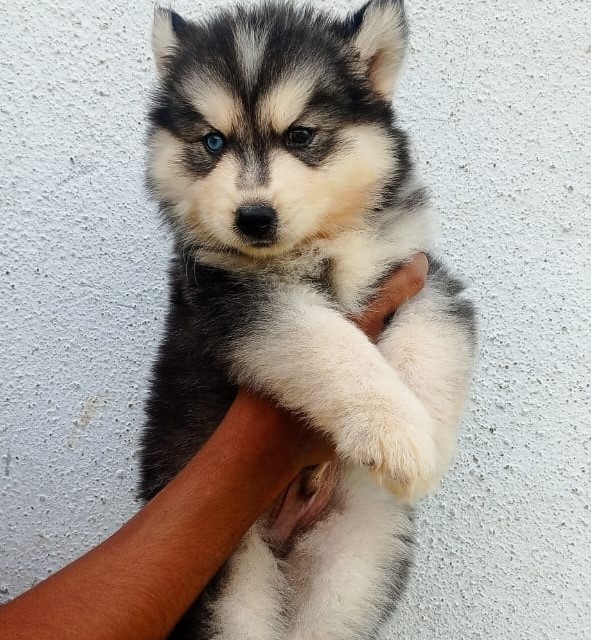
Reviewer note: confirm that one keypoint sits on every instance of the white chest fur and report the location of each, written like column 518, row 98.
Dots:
column 361, row 258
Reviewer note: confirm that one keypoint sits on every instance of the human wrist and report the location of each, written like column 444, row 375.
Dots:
column 258, row 433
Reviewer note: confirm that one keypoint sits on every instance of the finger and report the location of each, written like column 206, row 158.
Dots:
column 402, row 285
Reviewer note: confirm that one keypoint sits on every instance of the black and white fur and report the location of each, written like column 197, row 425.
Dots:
column 273, row 315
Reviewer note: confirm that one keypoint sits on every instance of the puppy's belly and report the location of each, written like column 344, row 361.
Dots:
column 309, row 497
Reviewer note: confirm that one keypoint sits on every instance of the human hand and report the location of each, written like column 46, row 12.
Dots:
column 403, row 284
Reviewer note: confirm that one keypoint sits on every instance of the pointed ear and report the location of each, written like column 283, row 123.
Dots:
column 167, row 32
column 379, row 32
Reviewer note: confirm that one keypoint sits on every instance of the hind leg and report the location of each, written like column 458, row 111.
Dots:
column 250, row 604
column 349, row 570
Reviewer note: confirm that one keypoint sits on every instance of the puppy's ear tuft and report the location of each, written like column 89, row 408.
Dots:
column 167, row 31
column 379, row 32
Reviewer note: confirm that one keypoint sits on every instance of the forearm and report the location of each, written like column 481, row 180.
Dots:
column 162, row 558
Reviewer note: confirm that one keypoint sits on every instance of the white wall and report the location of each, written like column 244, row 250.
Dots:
column 497, row 96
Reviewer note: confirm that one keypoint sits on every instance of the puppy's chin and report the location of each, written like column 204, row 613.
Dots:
column 266, row 250
column 238, row 247
column 282, row 246
column 287, row 244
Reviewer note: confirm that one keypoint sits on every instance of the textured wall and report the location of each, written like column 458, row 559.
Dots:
column 497, row 97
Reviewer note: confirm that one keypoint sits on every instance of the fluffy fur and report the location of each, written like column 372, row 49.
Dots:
column 272, row 313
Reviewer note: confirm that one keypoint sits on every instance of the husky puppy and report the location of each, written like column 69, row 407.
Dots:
column 276, row 159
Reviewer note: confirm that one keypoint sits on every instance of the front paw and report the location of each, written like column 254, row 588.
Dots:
column 396, row 442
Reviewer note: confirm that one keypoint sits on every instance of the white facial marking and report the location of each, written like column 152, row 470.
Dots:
column 217, row 105
column 165, row 157
column 285, row 103
column 250, row 49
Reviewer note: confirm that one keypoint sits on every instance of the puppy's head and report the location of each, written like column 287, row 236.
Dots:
column 272, row 126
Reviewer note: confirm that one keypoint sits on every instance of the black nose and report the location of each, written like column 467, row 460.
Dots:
column 257, row 221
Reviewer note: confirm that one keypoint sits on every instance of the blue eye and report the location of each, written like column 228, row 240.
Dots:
column 214, row 143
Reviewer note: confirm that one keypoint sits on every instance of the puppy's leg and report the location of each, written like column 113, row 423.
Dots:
column 348, row 572
column 251, row 602
column 431, row 344
column 314, row 361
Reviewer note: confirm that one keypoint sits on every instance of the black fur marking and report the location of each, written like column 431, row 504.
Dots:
column 389, row 195
column 253, row 154
column 191, row 392
column 416, row 200
column 459, row 309
column 198, row 161
column 398, row 574
column 196, row 623
column 179, row 25
column 174, row 113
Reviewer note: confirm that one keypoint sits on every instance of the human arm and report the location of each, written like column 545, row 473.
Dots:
column 139, row 582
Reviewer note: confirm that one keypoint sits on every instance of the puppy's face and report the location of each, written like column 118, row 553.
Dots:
column 272, row 126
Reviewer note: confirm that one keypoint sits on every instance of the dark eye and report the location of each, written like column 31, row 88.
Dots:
column 299, row 137
column 214, row 143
